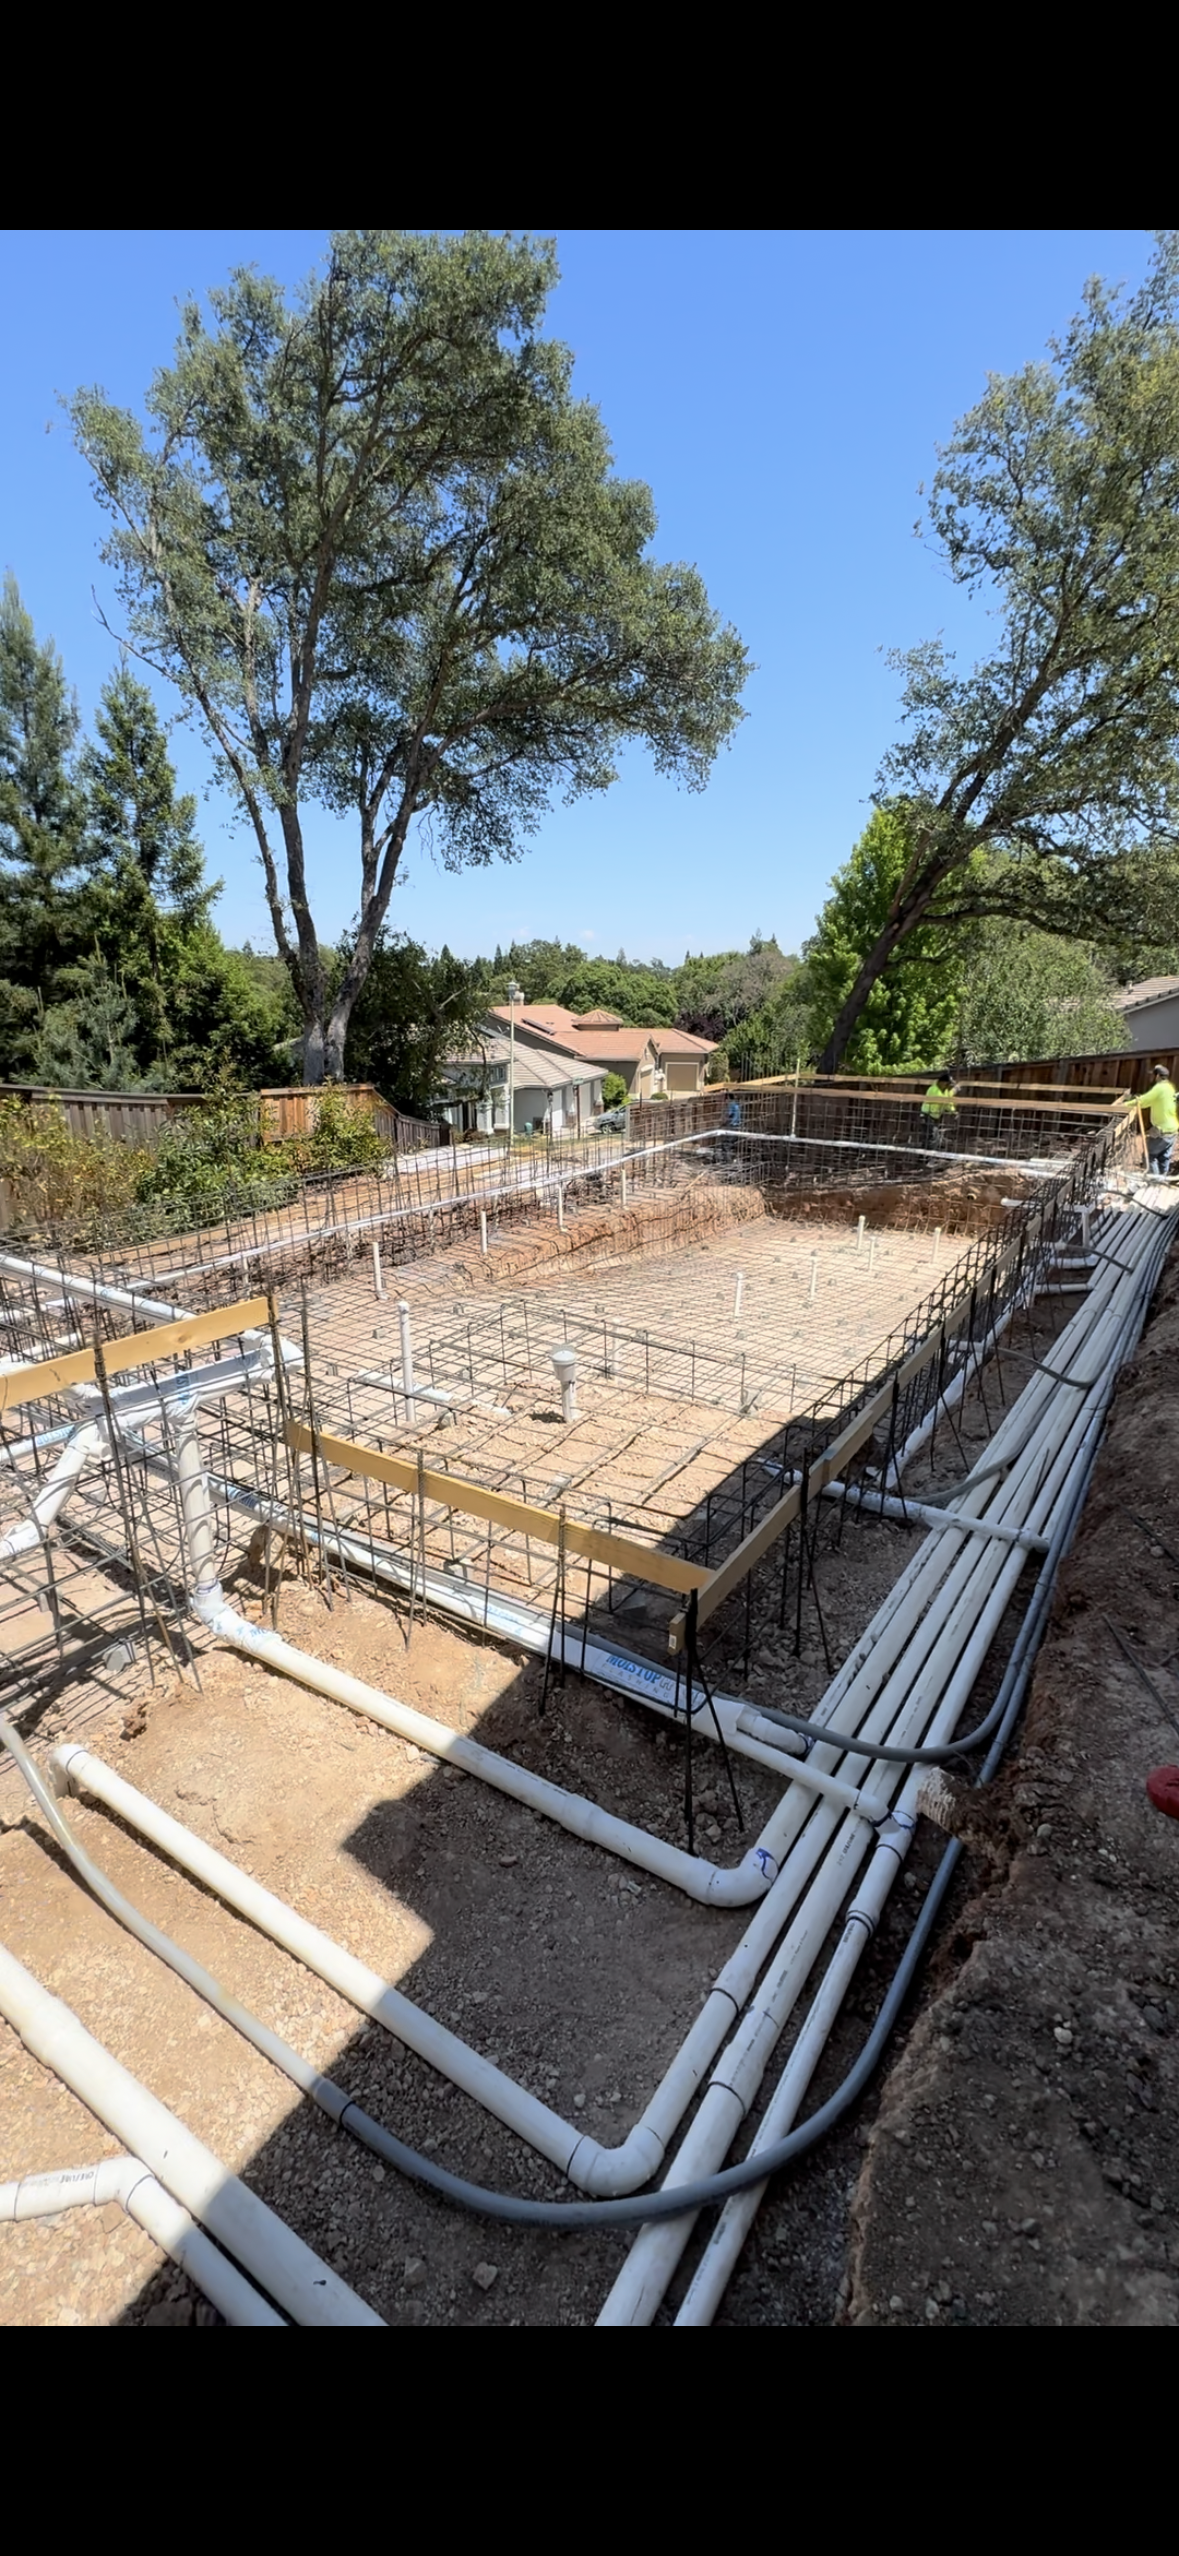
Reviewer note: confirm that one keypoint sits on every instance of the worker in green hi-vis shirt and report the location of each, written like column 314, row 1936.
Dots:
column 1158, row 1105
column 937, row 1109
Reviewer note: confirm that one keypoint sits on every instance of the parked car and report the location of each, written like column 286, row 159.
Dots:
column 611, row 1122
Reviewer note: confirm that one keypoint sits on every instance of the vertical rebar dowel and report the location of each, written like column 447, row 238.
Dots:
column 937, row 1396
column 378, row 1281
column 689, row 1664
column 411, row 1408
column 738, row 1292
column 813, row 1288
column 813, row 1581
column 802, row 1506
column 782, row 1593
column 589, row 1586
column 124, row 1498
column 861, row 1221
column 892, row 1441
column 483, row 1231
column 937, row 1242
column 422, row 1523
column 324, row 1565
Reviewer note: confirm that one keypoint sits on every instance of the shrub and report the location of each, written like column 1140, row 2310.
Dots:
column 80, row 1185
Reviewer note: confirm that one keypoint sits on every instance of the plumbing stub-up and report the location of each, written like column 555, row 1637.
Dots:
column 565, row 1365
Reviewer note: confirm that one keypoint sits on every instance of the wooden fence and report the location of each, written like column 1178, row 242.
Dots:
column 293, row 1112
column 139, row 1118
column 132, row 1118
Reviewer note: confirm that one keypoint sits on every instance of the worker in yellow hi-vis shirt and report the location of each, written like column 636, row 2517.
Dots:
column 937, row 1109
column 1161, row 1106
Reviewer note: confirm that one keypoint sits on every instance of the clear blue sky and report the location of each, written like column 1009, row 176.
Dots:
column 782, row 392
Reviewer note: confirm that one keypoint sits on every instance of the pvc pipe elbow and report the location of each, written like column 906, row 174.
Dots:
column 607, row 2173
column 736, row 1885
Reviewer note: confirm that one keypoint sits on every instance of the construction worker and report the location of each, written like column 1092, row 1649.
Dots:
column 937, row 1108
column 1161, row 1106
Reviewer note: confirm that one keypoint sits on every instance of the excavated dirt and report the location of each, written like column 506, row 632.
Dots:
column 960, row 1202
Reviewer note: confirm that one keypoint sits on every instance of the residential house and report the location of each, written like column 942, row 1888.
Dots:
column 1151, row 1012
column 555, row 1094
column 651, row 1061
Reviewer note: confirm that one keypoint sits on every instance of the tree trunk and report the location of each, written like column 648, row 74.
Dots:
column 334, row 1041
column 874, row 965
column 314, row 1051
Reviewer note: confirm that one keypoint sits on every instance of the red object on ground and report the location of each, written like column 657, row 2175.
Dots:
column 1162, row 1784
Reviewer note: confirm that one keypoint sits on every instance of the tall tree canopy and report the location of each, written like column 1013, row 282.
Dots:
column 378, row 544
column 1057, row 499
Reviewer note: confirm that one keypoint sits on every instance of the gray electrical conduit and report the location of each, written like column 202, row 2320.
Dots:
column 676, row 2201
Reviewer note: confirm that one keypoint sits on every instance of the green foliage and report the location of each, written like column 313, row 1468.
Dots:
column 112, row 976
column 614, row 1090
column 715, row 995
column 413, row 1011
column 41, row 823
column 1029, row 995
column 209, row 1164
column 379, row 545
column 642, row 995
column 77, row 1186
column 1057, row 499
column 343, row 1136
column 910, row 1014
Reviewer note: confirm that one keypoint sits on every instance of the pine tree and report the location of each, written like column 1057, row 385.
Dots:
column 41, row 818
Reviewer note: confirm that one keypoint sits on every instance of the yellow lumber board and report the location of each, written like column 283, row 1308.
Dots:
column 638, row 1561
column 134, row 1349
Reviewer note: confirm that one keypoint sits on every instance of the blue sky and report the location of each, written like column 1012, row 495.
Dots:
column 782, row 392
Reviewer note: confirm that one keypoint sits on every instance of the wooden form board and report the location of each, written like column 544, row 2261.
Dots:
column 135, row 1349
column 636, row 1561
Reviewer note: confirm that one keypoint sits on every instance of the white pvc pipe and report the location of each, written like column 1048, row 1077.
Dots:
column 127, row 2181
column 565, row 1366
column 641, row 2285
column 593, row 2168
column 94, row 1290
column 915, row 1512
column 270, row 2251
column 85, row 1444
column 364, row 1988
column 378, row 1281
column 737, row 2216
column 716, row 1885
